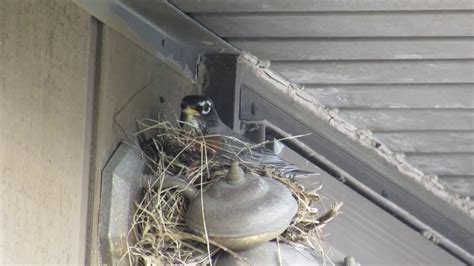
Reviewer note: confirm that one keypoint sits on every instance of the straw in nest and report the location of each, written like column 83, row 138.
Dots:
column 159, row 233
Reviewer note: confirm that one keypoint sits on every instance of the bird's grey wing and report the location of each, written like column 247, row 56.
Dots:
column 264, row 157
column 236, row 146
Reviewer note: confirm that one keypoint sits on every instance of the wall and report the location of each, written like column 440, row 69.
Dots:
column 131, row 83
column 402, row 69
column 64, row 77
column 395, row 76
column 45, row 49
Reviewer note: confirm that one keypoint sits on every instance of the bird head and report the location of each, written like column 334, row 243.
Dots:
column 198, row 111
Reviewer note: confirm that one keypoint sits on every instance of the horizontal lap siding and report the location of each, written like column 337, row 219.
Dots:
column 462, row 184
column 394, row 95
column 358, row 48
column 404, row 69
column 428, row 141
column 318, row 5
column 377, row 72
column 443, row 164
column 410, row 119
column 341, row 24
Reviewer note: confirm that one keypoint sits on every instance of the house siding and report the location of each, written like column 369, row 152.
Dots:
column 402, row 69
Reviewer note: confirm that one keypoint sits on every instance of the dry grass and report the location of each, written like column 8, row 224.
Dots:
column 159, row 234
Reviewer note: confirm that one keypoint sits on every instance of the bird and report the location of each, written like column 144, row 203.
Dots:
column 198, row 113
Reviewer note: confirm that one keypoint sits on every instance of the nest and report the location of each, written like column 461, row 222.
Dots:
column 159, row 234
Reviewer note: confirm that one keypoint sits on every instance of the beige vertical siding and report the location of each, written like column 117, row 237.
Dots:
column 131, row 84
column 44, row 86
column 59, row 93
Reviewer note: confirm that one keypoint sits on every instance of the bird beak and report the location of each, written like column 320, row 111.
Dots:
column 190, row 111
column 188, row 118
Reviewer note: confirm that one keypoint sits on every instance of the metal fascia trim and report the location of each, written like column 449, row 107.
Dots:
column 161, row 29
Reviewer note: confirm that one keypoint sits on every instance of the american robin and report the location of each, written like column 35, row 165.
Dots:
column 198, row 112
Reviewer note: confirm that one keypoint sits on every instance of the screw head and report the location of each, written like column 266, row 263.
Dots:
column 253, row 109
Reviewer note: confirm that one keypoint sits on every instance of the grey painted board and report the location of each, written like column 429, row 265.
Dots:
column 360, row 55
column 399, row 71
column 443, row 164
column 219, row 71
column 360, row 162
column 159, row 28
column 415, row 141
column 357, row 48
column 341, row 24
column 318, row 5
column 410, row 119
column 367, row 232
column 395, row 95
column 463, row 185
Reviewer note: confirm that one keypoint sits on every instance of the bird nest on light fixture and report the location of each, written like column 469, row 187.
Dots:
column 159, row 235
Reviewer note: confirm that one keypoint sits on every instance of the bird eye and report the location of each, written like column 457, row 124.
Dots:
column 206, row 109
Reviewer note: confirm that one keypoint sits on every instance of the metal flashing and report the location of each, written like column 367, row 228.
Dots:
column 161, row 29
